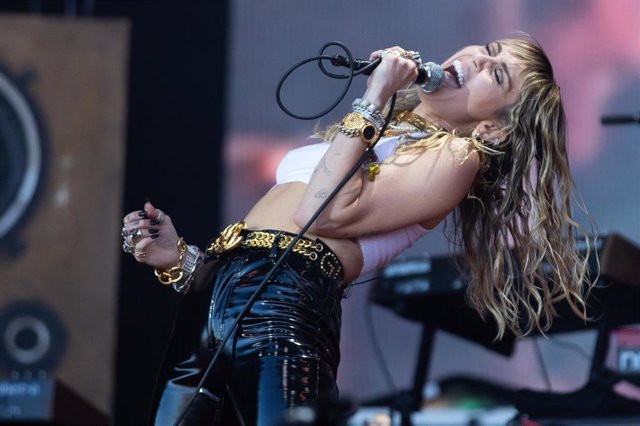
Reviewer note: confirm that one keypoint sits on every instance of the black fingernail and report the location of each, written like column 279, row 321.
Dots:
column 153, row 231
column 153, row 222
column 142, row 213
column 153, row 237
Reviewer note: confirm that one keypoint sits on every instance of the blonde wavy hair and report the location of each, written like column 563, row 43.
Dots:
column 516, row 226
column 524, row 196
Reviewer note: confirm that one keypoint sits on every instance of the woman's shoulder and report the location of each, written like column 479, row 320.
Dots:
column 450, row 143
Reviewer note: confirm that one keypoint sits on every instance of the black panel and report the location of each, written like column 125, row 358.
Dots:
column 174, row 153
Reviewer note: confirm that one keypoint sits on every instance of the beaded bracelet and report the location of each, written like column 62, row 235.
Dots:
column 369, row 111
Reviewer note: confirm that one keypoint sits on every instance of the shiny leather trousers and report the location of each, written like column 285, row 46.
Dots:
column 285, row 353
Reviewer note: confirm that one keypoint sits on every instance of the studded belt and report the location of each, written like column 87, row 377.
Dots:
column 236, row 235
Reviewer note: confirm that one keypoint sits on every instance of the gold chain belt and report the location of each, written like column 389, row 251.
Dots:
column 261, row 239
column 232, row 237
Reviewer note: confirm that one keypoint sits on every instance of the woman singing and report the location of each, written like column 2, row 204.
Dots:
column 489, row 146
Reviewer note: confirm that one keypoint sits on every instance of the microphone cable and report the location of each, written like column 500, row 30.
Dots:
column 320, row 57
column 263, row 284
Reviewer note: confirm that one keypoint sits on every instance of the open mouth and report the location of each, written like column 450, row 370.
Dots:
column 457, row 72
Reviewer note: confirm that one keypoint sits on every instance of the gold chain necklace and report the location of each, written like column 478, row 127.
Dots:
column 416, row 122
column 414, row 119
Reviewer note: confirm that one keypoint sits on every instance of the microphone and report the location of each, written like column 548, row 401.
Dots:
column 430, row 75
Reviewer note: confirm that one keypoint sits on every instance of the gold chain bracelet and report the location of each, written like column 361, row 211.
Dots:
column 175, row 273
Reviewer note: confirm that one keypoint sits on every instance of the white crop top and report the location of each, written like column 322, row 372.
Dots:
column 379, row 249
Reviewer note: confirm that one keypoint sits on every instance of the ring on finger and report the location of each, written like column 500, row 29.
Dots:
column 124, row 233
column 415, row 56
column 160, row 216
column 126, row 247
column 407, row 54
column 139, row 254
column 136, row 235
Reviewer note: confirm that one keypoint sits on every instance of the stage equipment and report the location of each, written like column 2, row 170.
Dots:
column 40, row 401
column 62, row 131
column 620, row 119
column 431, row 291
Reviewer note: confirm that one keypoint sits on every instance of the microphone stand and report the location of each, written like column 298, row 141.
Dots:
column 254, row 296
column 620, row 119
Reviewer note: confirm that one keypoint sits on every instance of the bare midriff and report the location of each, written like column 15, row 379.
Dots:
column 276, row 210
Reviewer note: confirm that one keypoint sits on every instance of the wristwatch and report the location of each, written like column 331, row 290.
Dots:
column 355, row 124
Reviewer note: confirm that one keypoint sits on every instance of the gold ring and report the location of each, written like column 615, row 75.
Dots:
column 406, row 55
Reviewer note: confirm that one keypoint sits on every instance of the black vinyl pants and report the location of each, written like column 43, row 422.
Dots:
column 285, row 353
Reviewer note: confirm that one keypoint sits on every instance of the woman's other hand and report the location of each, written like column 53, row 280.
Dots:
column 149, row 235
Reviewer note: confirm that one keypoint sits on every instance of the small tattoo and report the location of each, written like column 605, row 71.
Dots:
column 323, row 166
column 321, row 194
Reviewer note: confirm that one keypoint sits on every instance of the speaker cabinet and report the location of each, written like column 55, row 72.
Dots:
column 63, row 162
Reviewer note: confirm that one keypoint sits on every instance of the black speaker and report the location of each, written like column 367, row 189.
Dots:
column 63, row 93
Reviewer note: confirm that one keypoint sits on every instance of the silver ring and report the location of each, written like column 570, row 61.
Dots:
column 140, row 254
column 124, row 233
column 126, row 247
column 160, row 216
column 136, row 235
column 416, row 57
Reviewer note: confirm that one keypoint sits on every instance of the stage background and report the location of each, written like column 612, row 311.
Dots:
column 200, row 70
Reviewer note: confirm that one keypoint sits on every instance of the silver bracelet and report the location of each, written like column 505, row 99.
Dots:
column 192, row 260
column 369, row 111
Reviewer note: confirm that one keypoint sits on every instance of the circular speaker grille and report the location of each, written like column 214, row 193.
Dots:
column 21, row 153
column 32, row 337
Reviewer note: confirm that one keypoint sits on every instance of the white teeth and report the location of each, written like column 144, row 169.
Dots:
column 459, row 71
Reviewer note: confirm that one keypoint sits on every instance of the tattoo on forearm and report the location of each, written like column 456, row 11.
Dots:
column 321, row 194
column 323, row 166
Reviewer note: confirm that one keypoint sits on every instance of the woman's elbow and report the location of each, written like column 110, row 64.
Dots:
column 302, row 217
column 322, row 225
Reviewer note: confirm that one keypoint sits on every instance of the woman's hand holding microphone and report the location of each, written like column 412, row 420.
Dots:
column 397, row 69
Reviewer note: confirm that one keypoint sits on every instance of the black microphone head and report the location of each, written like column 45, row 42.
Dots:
column 433, row 76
